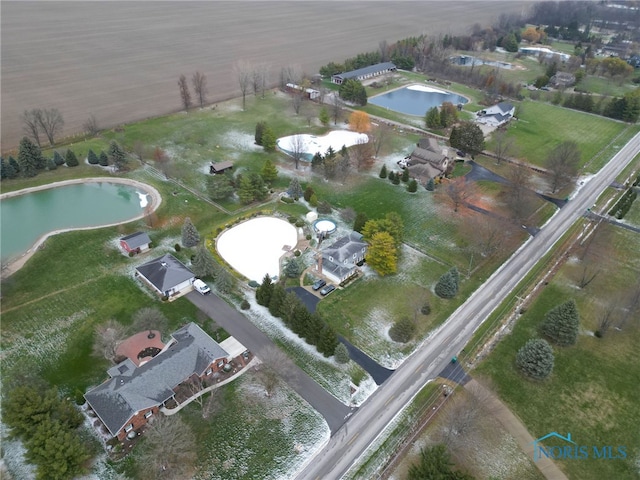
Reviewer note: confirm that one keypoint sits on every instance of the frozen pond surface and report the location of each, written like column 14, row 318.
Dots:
column 311, row 144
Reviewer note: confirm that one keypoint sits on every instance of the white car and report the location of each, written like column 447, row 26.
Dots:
column 201, row 287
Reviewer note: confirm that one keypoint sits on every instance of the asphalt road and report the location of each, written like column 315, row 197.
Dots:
column 352, row 440
column 237, row 325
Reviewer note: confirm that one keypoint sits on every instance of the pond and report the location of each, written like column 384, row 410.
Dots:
column 26, row 217
column 415, row 99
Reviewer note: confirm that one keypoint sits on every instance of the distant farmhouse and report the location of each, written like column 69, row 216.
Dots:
column 428, row 160
column 339, row 262
column 496, row 115
column 364, row 73
column 133, row 394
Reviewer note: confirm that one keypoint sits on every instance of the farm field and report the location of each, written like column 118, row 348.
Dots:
column 121, row 61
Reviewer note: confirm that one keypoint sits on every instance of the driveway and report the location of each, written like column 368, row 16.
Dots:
column 334, row 412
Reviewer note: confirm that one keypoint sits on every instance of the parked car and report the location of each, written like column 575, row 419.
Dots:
column 460, row 153
column 327, row 290
column 319, row 284
column 201, row 287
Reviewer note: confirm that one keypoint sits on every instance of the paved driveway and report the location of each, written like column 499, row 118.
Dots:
column 334, row 412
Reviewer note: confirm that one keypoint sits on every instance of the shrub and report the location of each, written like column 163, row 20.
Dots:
column 308, row 192
column 447, row 286
column 245, row 304
column 412, row 187
column 300, row 223
column 177, row 247
column 324, row 207
column 292, row 219
column 562, row 324
column 396, row 179
column 535, row 359
column 431, row 185
column 308, row 236
column 286, row 199
column 425, row 309
column 402, row 330
column 297, row 253
column 341, row 353
column 131, row 254
column 405, row 175
column 92, row 158
column 391, row 176
column 383, row 172
column 313, row 200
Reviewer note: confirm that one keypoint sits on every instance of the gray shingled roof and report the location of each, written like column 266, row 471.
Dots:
column 165, row 272
column 378, row 67
column 505, row 107
column 222, row 165
column 118, row 399
column 137, row 239
column 424, row 155
column 338, row 271
column 345, row 247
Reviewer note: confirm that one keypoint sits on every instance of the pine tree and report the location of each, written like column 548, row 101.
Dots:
column 317, row 161
column 383, row 172
column 268, row 140
column 264, row 291
column 562, row 324
column 431, row 185
column 204, row 265
column 432, row 118
column 260, row 126
column 402, row 330
column 341, row 353
column 16, row 166
column 405, row 175
column 396, row 179
column 190, row 235
column 103, row 159
column 391, row 176
column 328, row 341
column 117, row 156
column 295, row 190
column 292, row 268
column 92, row 158
column 535, row 359
column 308, row 192
column 269, row 172
column 28, row 155
column 276, row 301
column 51, row 164
column 412, row 186
column 58, row 158
column 224, row 281
column 447, row 286
column 324, row 116
column 70, row 159
column 360, row 221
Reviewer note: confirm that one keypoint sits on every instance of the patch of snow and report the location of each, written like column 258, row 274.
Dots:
column 240, row 141
column 422, row 88
column 144, row 201
column 312, row 144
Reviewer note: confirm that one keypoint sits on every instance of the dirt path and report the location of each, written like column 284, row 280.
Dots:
column 515, row 427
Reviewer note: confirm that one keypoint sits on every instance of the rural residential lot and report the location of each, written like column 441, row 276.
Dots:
column 120, row 62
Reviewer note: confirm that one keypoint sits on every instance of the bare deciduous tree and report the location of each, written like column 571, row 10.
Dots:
column 51, row 122
column 606, row 317
column 459, row 191
column 31, row 123
column 185, row 95
column 632, row 304
column 589, row 273
column 362, row 154
column 199, row 81
column 379, row 138
column 518, row 192
column 563, row 163
column 162, row 161
column 273, row 364
column 107, row 337
column 260, row 78
column 291, row 74
column 297, row 149
column 170, row 449
column 90, row 126
column 242, row 72
column 296, row 101
column 504, row 146
column 336, row 108
column 149, row 319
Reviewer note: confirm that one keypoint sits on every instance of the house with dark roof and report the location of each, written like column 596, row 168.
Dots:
column 428, row 160
column 136, row 242
column 133, row 394
column 220, row 167
column 166, row 275
column 339, row 261
column 364, row 73
column 496, row 115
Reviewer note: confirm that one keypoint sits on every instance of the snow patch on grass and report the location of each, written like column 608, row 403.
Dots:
column 240, row 141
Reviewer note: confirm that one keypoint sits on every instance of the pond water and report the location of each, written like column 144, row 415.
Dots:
column 415, row 99
column 25, row 218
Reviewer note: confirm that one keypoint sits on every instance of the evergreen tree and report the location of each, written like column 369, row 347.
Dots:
column 391, row 176
column 224, row 281
column 40, row 162
column 3, row 169
column 117, row 156
column 260, row 126
column 16, row 166
column 313, row 329
column 313, row 201
column 203, row 264
column 405, row 175
column 70, row 159
column 295, row 190
column 58, row 158
column 360, row 221
column 8, row 169
column 562, row 324
column 431, row 185
column 268, row 140
column 412, row 186
column 432, row 118
column 535, row 359
column 276, row 302
column 269, row 172
column 317, row 161
column 292, row 268
column 92, row 158
column 51, row 164
column 324, row 116
column 103, row 159
column 245, row 190
column 328, row 341
column 308, row 192
column 402, row 330
column 467, row 137
column 510, row 43
column 396, row 179
column 448, row 114
column 383, row 172
column 341, row 353
column 28, row 155
column 435, row 464
column 190, row 235
column 219, row 187
column 264, row 291
column 447, row 286
column 258, row 187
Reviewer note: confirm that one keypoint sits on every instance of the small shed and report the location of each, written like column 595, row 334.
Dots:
column 311, row 217
column 136, row 242
column 220, row 167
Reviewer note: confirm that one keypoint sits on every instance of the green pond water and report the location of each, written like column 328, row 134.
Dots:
column 25, row 218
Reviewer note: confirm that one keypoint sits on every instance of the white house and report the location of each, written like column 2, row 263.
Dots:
column 496, row 115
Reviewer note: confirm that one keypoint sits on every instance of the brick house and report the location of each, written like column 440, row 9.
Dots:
column 133, row 394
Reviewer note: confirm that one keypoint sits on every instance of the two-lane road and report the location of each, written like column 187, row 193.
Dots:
column 351, row 441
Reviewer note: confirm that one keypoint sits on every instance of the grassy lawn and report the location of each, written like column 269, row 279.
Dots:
column 606, row 86
column 593, row 388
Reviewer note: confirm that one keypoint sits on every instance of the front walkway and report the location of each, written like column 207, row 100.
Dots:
column 514, row 426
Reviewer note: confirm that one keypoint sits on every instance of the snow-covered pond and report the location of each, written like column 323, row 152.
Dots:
column 312, row 144
column 254, row 247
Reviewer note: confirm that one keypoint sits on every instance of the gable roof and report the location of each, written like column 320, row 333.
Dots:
column 337, row 270
column 128, row 392
column 165, row 272
column 428, row 143
column 345, row 248
column 371, row 69
column 505, row 107
column 423, row 155
column 221, row 165
column 137, row 239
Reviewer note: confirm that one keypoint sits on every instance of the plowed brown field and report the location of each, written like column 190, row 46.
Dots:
column 120, row 61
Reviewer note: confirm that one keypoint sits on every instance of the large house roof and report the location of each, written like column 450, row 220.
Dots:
column 337, row 270
column 129, row 391
column 165, row 272
column 371, row 69
column 344, row 248
column 423, row 155
column 137, row 239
